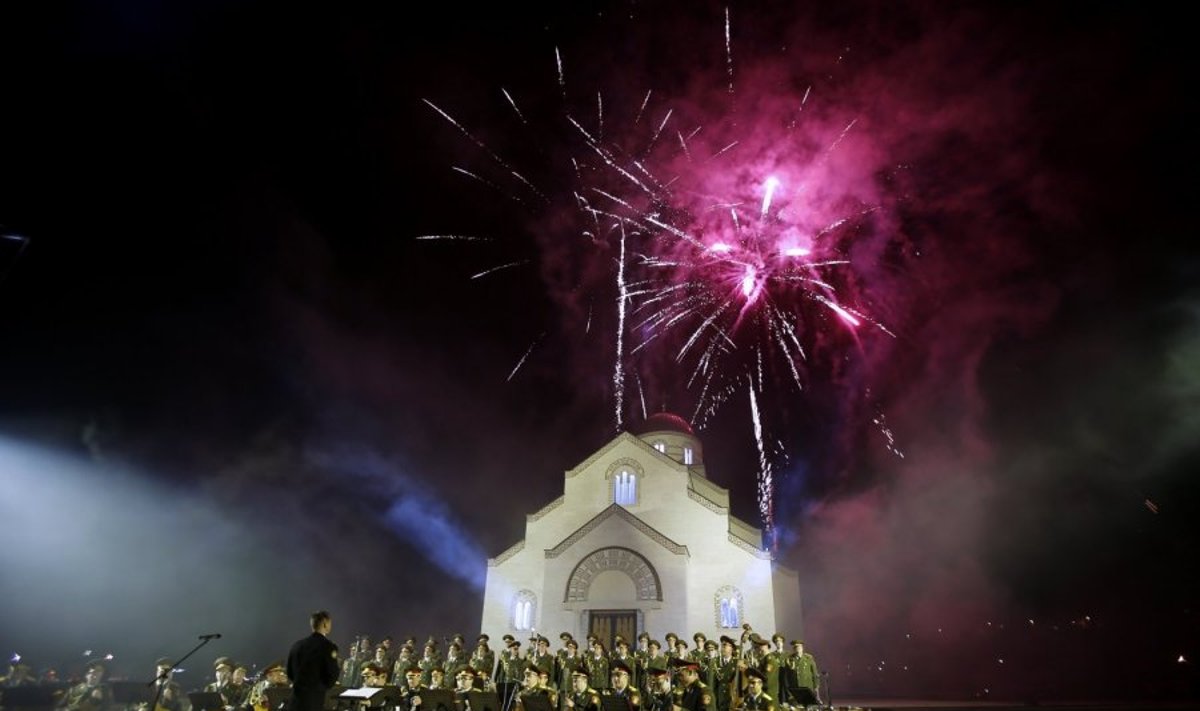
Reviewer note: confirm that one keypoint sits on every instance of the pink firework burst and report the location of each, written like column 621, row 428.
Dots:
column 729, row 239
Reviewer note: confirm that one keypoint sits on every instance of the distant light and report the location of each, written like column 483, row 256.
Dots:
column 720, row 247
column 1001, row 660
column 1181, row 660
column 108, row 657
column 87, row 652
column 749, row 281
column 768, row 193
column 797, row 252
column 1031, row 622
column 16, row 657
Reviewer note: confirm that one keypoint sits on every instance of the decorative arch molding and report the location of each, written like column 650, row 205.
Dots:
column 729, row 607
column 624, row 463
column 645, row 577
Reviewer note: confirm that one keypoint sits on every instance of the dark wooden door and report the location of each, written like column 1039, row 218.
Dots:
column 607, row 624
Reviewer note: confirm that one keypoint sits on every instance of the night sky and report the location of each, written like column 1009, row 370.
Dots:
column 235, row 387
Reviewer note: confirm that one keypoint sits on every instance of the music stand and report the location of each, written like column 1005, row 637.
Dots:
column 615, row 703
column 795, row 693
column 507, row 690
column 28, row 697
column 206, row 701
column 278, row 697
column 484, row 701
column 437, row 700
column 130, row 692
column 331, row 697
column 540, row 702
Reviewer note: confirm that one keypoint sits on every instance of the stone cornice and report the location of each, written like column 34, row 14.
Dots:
column 749, row 547
column 706, row 502
column 512, row 550
column 546, row 509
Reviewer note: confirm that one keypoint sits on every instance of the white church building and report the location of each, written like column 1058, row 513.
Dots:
column 640, row 540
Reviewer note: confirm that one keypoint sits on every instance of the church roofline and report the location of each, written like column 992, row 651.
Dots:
column 617, row 510
column 638, row 441
column 512, row 550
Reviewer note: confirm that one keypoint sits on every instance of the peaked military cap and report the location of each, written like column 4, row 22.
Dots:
column 684, row 664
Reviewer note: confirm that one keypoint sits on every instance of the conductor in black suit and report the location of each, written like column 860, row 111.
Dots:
column 313, row 665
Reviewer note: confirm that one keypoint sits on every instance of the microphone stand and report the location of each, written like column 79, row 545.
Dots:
column 167, row 674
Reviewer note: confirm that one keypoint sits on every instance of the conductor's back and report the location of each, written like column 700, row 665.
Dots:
column 313, row 665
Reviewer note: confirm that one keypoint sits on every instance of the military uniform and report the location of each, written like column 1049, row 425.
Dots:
column 427, row 665
column 804, row 667
column 762, row 702
column 511, row 667
column 630, row 695
column 312, row 666
column 543, row 661
column 85, row 697
column 586, row 700
column 725, row 678
column 597, row 669
column 655, row 698
column 567, row 666
column 697, row 696
column 483, row 659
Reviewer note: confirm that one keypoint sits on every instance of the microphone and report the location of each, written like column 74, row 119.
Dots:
column 210, row 636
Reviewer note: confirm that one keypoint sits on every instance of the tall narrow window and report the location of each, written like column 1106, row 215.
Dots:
column 729, row 607
column 729, row 613
column 661, row 446
column 625, row 488
column 523, row 610
column 688, row 456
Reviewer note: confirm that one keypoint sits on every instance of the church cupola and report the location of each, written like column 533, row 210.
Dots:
column 673, row 436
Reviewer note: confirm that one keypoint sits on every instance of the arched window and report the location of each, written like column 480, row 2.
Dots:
column 625, row 488
column 729, row 607
column 729, row 612
column 661, row 446
column 524, row 610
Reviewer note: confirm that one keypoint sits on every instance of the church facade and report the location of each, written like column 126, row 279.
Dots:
column 640, row 540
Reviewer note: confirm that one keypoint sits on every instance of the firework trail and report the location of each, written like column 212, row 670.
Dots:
column 619, row 366
column 525, row 357
column 734, row 247
column 766, row 485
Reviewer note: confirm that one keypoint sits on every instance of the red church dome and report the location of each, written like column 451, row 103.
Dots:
column 663, row 422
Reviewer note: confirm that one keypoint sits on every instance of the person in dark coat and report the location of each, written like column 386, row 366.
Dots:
column 313, row 665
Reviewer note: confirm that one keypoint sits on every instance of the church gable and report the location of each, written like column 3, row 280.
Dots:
column 622, row 515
